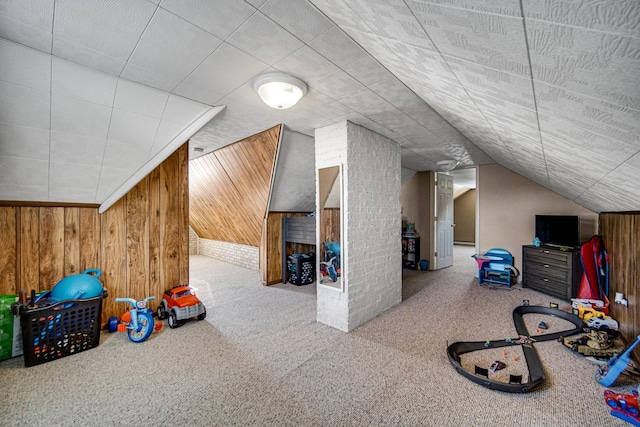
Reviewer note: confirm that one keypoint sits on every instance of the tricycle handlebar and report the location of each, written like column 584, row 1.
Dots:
column 132, row 301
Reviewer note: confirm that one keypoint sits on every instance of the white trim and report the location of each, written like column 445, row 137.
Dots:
column 184, row 135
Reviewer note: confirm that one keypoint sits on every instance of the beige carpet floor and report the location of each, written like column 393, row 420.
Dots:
column 261, row 359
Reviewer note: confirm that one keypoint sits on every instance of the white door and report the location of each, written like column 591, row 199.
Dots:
column 444, row 225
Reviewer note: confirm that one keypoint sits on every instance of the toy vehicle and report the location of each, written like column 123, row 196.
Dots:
column 623, row 406
column 497, row 365
column 138, row 322
column 180, row 303
column 602, row 323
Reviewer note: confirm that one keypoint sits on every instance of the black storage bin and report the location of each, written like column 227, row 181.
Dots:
column 301, row 268
column 59, row 330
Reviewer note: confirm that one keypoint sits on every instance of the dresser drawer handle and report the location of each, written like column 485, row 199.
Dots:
column 545, row 252
column 545, row 265
column 545, row 280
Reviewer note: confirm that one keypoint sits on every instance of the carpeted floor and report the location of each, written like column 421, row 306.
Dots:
column 260, row 358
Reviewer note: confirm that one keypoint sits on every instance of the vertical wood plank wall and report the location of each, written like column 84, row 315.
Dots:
column 271, row 247
column 621, row 236
column 140, row 244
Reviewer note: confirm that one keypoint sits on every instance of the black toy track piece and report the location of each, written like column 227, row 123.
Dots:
column 536, row 373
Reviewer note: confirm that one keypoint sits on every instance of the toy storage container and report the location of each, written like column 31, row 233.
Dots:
column 301, row 268
column 59, row 330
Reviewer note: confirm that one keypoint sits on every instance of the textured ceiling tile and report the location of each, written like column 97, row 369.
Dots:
column 598, row 160
column 21, row 105
column 396, row 93
column 181, row 110
column 110, row 180
column 297, row 17
column 369, row 72
column 218, row 17
column 227, row 68
column 307, row 64
column 71, row 148
column 507, row 119
column 160, row 56
column 338, row 85
column 620, row 16
column 24, row 141
column 599, row 117
column 557, row 131
column 568, row 183
column 137, row 98
column 426, row 62
column 495, row 41
column 71, row 177
column 24, row 66
column 337, row 47
column 499, row 7
column 111, row 28
column 617, row 192
column 493, row 83
column 78, row 117
column 264, row 39
column 393, row 19
column 134, row 129
column 85, row 84
column 124, row 155
column 166, row 132
column 90, row 58
column 341, row 13
column 583, row 61
column 28, row 22
column 24, row 179
column 366, row 98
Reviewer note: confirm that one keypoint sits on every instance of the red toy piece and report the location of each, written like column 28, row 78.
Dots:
column 180, row 303
column 623, row 406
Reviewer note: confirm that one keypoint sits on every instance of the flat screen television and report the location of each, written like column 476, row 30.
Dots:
column 558, row 230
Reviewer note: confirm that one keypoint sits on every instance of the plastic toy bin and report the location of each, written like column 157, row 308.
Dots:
column 59, row 330
column 301, row 268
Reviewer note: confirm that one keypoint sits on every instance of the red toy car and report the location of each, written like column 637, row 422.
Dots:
column 180, row 303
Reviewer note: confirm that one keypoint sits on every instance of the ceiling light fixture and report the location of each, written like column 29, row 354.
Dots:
column 447, row 165
column 279, row 90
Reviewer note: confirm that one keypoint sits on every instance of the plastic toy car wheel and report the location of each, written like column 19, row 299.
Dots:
column 173, row 320
column 202, row 315
column 161, row 312
column 145, row 327
column 612, row 402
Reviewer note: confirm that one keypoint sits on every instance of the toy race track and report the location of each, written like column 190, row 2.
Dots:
column 536, row 373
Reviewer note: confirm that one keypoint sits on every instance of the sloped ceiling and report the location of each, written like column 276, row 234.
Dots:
column 547, row 89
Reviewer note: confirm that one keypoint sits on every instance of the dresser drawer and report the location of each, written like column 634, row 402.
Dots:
column 550, row 271
column 547, row 256
column 547, row 285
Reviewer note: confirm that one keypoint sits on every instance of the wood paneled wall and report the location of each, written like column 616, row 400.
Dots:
column 140, row 244
column 271, row 247
column 229, row 189
column 621, row 236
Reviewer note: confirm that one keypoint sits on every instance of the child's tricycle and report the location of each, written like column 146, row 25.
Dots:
column 138, row 322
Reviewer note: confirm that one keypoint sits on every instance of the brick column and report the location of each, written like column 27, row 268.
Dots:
column 371, row 244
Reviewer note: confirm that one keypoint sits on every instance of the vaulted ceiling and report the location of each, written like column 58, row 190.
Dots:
column 91, row 91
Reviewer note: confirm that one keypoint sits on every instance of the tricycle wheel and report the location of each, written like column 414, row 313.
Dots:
column 113, row 324
column 173, row 321
column 145, row 327
column 161, row 312
column 202, row 315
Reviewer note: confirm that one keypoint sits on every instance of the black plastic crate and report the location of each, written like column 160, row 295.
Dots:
column 59, row 330
column 302, row 268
